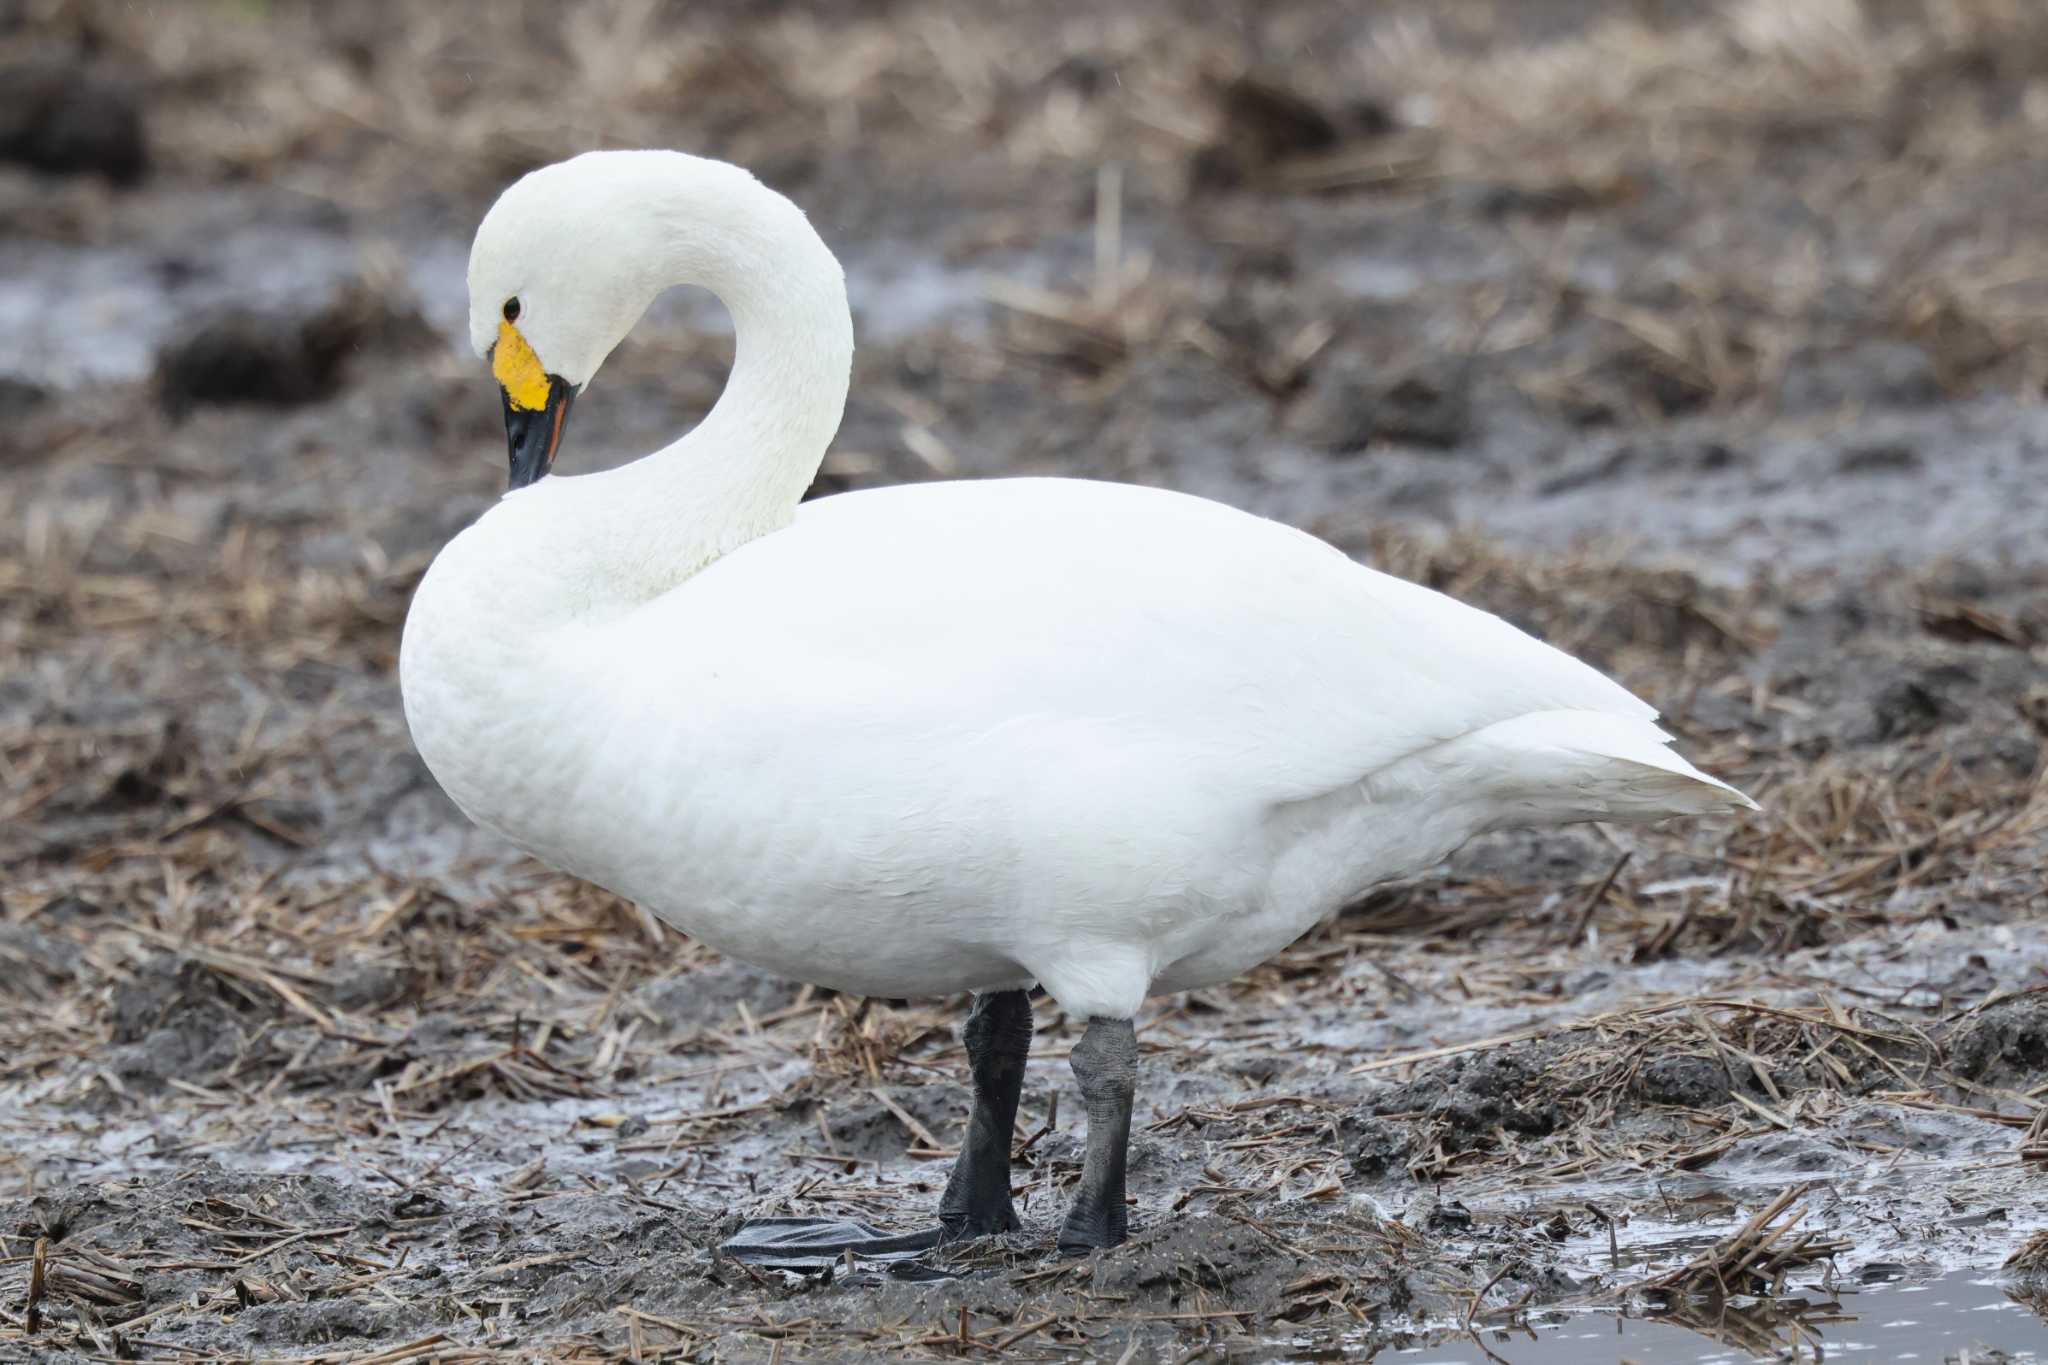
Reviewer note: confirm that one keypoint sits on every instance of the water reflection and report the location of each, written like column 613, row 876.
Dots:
column 1932, row 1320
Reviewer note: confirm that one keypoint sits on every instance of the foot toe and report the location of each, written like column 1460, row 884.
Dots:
column 1079, row 1236
column 959, row 1227
column 818, row 1243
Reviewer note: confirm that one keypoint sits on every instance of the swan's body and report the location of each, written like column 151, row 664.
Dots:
column 950, row 737
column 969, row 736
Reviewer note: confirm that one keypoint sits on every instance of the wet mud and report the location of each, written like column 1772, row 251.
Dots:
column 1707, row 344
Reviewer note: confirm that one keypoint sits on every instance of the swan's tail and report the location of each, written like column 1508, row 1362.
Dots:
column 1590, row 765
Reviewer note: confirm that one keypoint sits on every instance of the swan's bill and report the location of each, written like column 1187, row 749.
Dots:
column 536, row 402
column 535, row 434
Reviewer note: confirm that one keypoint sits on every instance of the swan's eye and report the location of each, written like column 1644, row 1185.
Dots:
column 511, row 310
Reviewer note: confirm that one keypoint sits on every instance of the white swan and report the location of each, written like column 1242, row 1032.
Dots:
column 951, row 736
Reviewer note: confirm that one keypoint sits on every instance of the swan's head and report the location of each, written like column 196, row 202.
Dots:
column 562, row 268
column 570, row 256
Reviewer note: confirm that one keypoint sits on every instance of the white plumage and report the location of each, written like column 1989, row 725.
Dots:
column 951, row 736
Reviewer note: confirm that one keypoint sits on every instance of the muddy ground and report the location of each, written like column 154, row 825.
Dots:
column 1706, row 340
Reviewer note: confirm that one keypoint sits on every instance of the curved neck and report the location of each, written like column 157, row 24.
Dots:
column 741, row 472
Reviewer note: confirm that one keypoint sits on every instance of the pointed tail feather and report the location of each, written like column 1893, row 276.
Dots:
column 1593, row 765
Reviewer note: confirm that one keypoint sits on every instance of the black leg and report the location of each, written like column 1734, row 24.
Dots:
column 998, row 1038
column 977, row 1198
column 1106, row 1064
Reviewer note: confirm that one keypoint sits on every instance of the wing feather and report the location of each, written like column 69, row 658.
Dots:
column 1258, row 653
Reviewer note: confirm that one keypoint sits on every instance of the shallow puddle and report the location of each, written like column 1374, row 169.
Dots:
column 1928, row 1320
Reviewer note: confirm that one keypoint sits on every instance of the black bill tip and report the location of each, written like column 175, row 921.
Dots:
column 533, row 435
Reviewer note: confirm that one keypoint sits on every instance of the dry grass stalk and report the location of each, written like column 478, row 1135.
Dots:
column 2031, row 1259
column 1752, row 1261
column 208, row 877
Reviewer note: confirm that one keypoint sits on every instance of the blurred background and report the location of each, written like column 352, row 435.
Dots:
column 1707, row 340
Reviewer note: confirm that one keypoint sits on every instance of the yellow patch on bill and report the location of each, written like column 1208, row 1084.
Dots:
column 518, row 370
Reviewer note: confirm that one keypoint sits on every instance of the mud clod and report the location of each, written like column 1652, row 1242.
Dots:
column 1374, row 1146
column 25, row 950
column 281, row 360
column 1688, row 1082
column 72, row 118
column 1260, row 121
column 1910, row 706
column 18, row 397
column 2006, row 1044
column 1470, row 1101
column 1350, row 408
column 177, row 1020
column 1263, row 121
column 318, row 1323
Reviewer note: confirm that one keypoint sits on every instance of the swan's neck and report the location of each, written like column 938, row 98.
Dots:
column 627, row 535
column 507, row 647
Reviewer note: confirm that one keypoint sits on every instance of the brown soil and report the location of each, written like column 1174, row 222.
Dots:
column 1705, row 340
